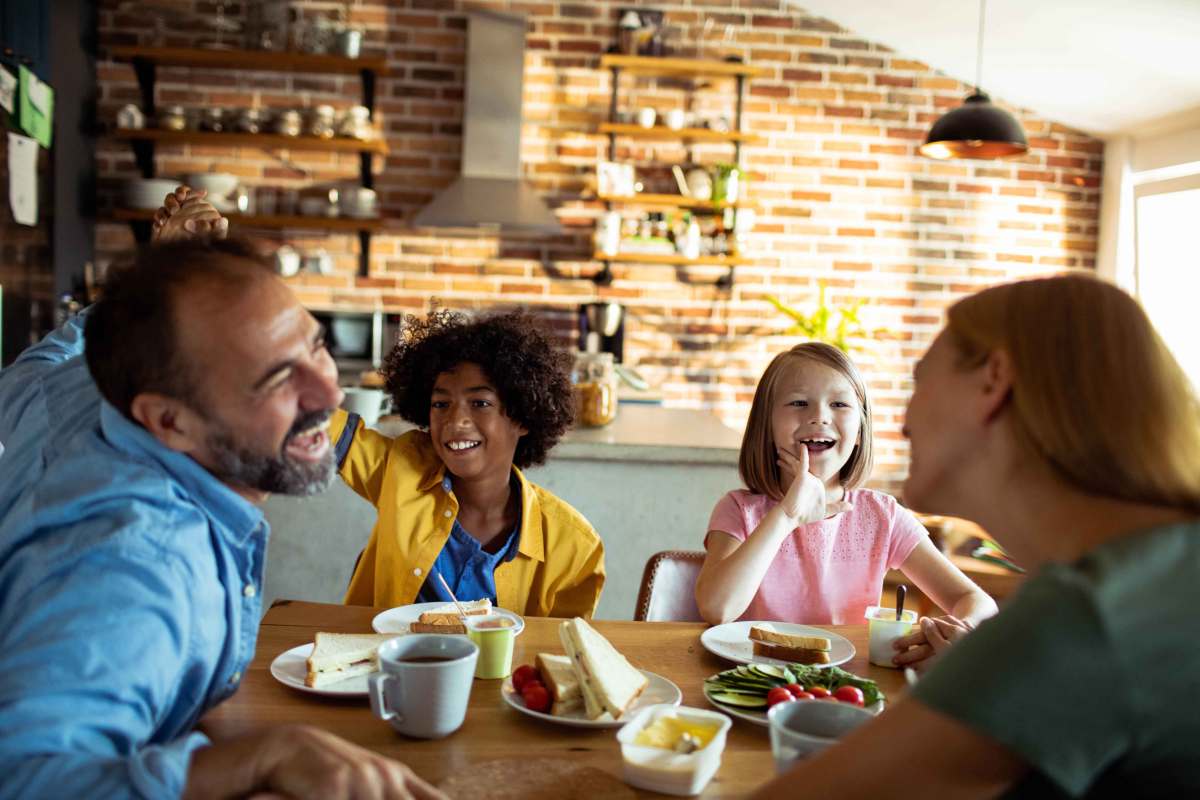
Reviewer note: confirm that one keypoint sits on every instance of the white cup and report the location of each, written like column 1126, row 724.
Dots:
column 367, row 403
column 423, row 684
column 676, row 118
column 882, row 630
column 646, row 117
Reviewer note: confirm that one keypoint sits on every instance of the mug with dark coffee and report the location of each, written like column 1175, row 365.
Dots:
column 424, row 683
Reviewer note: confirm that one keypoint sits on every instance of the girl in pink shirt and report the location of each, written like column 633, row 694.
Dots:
column 803, row 543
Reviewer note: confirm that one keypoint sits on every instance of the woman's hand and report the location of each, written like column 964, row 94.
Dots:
column 933, row 636
column 807, row 499
column 185, row 214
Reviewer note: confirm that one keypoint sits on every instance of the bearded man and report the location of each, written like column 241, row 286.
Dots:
column 140, row 438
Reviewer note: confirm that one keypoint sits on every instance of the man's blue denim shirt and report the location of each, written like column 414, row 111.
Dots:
column 130, row 586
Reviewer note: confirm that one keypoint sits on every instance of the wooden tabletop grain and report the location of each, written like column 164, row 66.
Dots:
column 493, row 730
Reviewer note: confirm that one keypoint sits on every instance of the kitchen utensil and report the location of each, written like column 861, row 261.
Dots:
column 217, row 184
column 700, row 183
column 172, row 118
column 289, row 123
column 319, row 262
column 680, row 180
column 646, row 117
column 424, row 683
column 347, row 42
column 131, row 117
column 287, row 261
column 676, row 118
column 321, row 122
column 901, row 591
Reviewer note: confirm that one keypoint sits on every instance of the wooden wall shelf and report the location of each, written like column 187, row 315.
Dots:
column 265, row 60
column 670, row 201
column 274, row 221
column 693, row 134
column 657, row 258
column 682, row 67
column 265, row 141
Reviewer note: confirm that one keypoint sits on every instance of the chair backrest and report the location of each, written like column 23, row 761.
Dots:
column 668, row 590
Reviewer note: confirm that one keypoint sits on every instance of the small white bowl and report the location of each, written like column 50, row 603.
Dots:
column 217, row 184
column 148, row 192
column 665, row 771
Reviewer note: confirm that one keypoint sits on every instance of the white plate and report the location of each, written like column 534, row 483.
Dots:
column 290, row 669
column 732, row 641
column 397, row 620
column 659, row 690
column 759, row 717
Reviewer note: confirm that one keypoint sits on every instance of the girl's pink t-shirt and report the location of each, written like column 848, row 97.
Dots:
column 828, row 572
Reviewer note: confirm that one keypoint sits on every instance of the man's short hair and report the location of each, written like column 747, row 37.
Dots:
column 131, row 336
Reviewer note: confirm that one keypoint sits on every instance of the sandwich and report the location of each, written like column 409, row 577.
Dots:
column 558, row 673
column 786, row 647
column 445, row 619
column 609, row 683
column 338, row 656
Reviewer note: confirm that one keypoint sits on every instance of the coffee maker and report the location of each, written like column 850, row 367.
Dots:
column 602, row 329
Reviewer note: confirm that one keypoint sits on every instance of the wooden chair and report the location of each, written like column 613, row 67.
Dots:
column 668, row 590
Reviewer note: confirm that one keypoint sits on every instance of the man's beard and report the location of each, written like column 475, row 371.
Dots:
column 276, row 474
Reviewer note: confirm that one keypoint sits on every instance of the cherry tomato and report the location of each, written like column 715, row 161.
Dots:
column 523, row 675
column 778, row 695
column 804, row 696
column 795, row 688
column 849, row 694
column 819, row 692
column 536, row 697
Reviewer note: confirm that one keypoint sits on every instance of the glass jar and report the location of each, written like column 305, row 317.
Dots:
column 595, row 389
column 288, row 123
column 173, row 118
column 321, row 122
column 213, row 120
column 355, row 123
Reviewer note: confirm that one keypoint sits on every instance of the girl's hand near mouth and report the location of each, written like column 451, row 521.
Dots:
column 807, row 499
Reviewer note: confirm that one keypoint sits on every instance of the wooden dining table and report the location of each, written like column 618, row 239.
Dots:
column 493, row 730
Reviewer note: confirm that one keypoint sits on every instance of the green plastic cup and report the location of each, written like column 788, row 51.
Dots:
column 493, row 634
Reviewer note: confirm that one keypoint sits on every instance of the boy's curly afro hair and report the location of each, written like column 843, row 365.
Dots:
column 531, row 375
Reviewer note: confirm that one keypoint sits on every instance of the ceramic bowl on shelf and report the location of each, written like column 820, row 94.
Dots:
column 147, row 193
column 217, row 184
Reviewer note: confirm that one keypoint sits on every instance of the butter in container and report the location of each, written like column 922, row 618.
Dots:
column 648, row 748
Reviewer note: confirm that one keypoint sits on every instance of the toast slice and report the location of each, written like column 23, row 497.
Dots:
column 609, row 683
column 796, row 655
column 338, row 656
column 445, row 619
column 767, row 634
column 558, row 673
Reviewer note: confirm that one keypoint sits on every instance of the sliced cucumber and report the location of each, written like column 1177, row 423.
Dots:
column 768, row 670
column 741, row 700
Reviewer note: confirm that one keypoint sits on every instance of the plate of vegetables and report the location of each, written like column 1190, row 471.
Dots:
column 748, row 691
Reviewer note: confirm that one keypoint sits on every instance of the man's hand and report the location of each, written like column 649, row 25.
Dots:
column 185, row 214
column 301, row 762
column 807, row 499
column 934, row 635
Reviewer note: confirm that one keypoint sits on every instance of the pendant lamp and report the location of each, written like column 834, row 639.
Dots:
column 976, row 129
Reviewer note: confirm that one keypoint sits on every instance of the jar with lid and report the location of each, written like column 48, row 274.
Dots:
column 288, row 123
column 249, row 120
column 213, row 119
column 355, row 123
column 321, row 122
column 595, row 389
column 173, row 118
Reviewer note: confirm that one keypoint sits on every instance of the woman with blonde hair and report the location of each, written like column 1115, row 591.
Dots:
column 1050, row 412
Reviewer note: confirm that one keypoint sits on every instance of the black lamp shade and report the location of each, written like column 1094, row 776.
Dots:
column 976, row 129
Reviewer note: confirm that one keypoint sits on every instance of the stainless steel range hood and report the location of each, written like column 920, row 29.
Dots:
column 490, row 191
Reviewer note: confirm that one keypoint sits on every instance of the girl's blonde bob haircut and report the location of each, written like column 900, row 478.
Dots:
column 1096, row 394
column 759, row 461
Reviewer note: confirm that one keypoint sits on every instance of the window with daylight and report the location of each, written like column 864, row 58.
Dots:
column 1167, row 224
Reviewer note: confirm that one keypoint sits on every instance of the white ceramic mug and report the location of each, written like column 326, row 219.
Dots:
column 367, row 403
column 424, row 683
column 676, row 118
column 646, row 117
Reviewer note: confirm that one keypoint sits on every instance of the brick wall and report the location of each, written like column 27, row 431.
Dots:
column 844, row 198
column 26, row 271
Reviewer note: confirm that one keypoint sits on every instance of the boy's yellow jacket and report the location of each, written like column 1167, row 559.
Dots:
column 559, row 567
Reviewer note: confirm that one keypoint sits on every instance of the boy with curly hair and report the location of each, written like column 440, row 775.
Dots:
column 490, row 397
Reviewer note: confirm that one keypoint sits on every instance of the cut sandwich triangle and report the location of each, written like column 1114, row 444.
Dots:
column 610, row 684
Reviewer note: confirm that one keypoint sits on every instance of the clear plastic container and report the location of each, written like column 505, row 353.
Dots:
column 665, row 771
